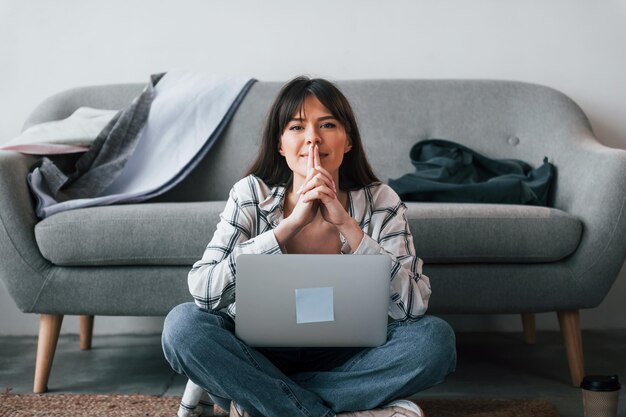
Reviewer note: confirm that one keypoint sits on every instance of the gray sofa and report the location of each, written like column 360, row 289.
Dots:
column 132, row 260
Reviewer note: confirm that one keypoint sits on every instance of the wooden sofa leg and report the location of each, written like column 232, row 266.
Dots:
column 86, row 332
column 569, row 321
column 49, row 329
column 530, row 330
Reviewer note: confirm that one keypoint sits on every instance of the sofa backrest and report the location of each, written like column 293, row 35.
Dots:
column 501, row 119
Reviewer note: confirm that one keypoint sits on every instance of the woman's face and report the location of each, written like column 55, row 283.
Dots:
column 314, row 124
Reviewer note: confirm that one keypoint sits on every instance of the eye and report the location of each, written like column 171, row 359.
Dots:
column 329, row 125
column 295, row 127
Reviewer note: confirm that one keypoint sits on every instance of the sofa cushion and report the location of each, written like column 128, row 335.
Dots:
column 495, row 233
column 129, row 234
column 177, row 233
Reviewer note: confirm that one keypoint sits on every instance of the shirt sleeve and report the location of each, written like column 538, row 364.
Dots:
column 410, row 289
column 212, row 279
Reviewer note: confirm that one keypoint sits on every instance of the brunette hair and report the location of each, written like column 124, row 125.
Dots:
column 354, row 173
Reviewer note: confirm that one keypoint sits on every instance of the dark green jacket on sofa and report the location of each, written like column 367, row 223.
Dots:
column 450, row 172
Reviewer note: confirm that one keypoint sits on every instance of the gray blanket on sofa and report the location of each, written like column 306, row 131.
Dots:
column 147, row 148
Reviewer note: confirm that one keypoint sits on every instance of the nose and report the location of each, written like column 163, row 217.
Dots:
column 312, row 137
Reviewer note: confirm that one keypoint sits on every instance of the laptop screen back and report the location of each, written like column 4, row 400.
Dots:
column 312, row 300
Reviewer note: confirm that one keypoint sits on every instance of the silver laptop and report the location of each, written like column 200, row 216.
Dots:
column 312, row 300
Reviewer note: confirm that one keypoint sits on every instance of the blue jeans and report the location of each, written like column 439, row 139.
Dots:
column 307, row 382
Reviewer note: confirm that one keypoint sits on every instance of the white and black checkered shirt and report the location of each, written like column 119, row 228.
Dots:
column 254, row 209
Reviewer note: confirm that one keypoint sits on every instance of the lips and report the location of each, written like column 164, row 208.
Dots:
column 306, row 155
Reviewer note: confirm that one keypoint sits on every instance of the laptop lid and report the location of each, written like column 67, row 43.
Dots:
column 312, row 300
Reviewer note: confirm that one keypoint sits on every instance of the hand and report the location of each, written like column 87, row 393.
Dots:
column 304, row 212
column 319, row 186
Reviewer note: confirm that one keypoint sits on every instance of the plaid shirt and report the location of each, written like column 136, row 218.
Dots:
column 254, row 209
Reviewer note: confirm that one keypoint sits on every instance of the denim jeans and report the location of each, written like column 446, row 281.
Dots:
column 307, row 382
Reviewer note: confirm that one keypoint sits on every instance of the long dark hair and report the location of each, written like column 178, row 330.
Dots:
column 354, row 173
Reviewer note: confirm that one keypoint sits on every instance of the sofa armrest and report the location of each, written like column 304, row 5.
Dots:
column 591, row 182
column 23, row 269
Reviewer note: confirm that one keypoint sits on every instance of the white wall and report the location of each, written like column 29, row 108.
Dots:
column 574, row 46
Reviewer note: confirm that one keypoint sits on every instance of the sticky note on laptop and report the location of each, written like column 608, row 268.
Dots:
column 314, row 305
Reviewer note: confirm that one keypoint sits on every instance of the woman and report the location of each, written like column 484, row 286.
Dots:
column 310, row 190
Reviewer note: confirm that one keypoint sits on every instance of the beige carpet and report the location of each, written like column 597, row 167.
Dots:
column 152, row 406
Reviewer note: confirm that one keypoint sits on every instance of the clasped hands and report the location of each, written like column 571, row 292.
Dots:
column 319, row 192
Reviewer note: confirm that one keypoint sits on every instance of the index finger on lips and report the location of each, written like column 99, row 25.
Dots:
column 322, row 170
column 310, row 171
column 309, row 166
column 316, row 157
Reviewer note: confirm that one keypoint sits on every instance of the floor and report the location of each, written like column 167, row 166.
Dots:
column 490, row 365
